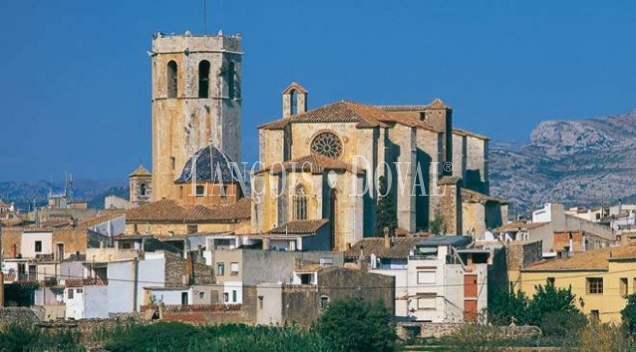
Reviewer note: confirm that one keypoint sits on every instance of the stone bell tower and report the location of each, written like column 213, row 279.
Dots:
column 196, row 102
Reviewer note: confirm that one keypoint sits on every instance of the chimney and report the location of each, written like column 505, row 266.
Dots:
column 387, row 240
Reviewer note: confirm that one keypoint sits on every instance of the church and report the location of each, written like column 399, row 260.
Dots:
column 319, row 167
column 325, row 163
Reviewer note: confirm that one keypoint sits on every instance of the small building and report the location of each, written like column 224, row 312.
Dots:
column 601, row 279
column 281, row 303
column 438, row 279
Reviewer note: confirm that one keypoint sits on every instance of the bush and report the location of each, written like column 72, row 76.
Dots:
column 355, row 325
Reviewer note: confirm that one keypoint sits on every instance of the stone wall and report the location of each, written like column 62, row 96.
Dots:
column 177, row 266
column 437, row 330
column 202, row 314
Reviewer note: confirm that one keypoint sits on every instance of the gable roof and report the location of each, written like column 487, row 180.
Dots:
column 343, row 111
column 400, row 249
column 316, row 164
column 169, row 211
column 140, row 171
column 595, row 260
column 300, row 227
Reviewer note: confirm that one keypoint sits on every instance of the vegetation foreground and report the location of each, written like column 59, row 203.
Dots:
column 349, row 325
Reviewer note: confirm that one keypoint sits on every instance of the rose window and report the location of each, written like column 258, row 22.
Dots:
column 327, row 144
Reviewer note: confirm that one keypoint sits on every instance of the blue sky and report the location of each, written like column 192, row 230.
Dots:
column 75, row 76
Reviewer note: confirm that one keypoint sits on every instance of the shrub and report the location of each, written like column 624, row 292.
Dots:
column 355, row 325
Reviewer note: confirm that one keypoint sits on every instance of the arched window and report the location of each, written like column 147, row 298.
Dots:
column 231, row 81
column 204, row 79
column 142, row 189
column 172, row 79
column 300, row 203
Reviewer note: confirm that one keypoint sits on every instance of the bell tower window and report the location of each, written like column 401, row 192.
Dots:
column 172, row 80
column 204, row 79
column 142, row 189
column 231, row 80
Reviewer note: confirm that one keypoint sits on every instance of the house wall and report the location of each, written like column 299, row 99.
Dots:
column 121, row 287
column 28, row 243
column 96, row 301
column 75, row 305
column 608, row 304
column 402, row 301
column 71, row 270
column 111, row 227
column 180, row 228
column 271, row 310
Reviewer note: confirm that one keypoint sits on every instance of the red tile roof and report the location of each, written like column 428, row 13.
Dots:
column 315, row 164
column 365, row 116
column 299, row 227
column 399, row 249
column 169, row 211
column 595, row 260
column 473, row 196
column 140, row 171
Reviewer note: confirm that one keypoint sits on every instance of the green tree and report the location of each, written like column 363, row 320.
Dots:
column 508, row 306
column 554, row 311
column 385, row 213
column 437, row 225
column 353, row 324
column 628, row 315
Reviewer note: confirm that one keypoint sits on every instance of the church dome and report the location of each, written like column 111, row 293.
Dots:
column 209, row 164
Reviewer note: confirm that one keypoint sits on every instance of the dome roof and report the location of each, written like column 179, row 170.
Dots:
column 209, row 164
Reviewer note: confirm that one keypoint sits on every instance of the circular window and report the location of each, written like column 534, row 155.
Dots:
column 327, row 144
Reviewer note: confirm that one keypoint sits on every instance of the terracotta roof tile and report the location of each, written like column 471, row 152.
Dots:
column 169, row 211
column 400, row 248
column 344, row 111
column 592, row 260
column 315, row 164
column 112, row 214
column 300, row 227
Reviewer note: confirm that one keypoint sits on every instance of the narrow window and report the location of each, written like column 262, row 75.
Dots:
column 234, row 269
column 142, row 189
column 220, row 269
column 200, row 191
column 551, row 281
column 172, row 79
column 71, row 293
column 234, row 296
column 204, row 79
column 231, row 81
column 201, row 295
column 38, row 246
column 300, row 203
column 173, row 162
column 260, row 302
column 226, row 297
column 293, row 97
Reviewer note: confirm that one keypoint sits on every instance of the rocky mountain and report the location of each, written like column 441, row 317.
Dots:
column 576, row 162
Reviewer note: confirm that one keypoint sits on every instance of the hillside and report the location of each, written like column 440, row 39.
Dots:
column 576, row 162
